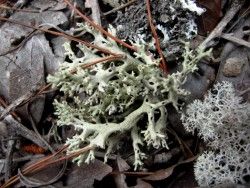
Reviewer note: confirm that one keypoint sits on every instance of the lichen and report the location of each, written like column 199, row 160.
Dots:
column 174, row 21
column 111, row 99
column 222, row 120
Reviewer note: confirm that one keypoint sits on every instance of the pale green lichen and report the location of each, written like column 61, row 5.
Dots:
column 110, row 99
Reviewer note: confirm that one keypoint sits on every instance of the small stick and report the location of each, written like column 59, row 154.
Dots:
column 22, row 130
column 119, row 8
column 9, row 156
column 3, row 104
column 235, row 7
column 25, row 158
column 101, row 60
column 236, row 40
column 163, row 64
column 18, row 9
column 43, row 163
column 15, row 104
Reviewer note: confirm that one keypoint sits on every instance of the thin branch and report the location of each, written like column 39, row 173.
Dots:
column 33, row 124
column 31, row 34
column 101, row 60
column 119, row 8
column 18, row 102
column 236, row 40
column 163, row 64
column 18, row 9
column 4, row 104
column 20, row 129
column 99, row 28
column 45, row 162
column 9, row 155
column 235, row 7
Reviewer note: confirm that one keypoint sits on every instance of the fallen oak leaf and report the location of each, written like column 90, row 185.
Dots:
column 165, row 173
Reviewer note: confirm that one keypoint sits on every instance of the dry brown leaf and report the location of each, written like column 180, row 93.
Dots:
column 85, row 175
column 211, row 17
column 142, row 184
column 119, row 178
column 164, row 173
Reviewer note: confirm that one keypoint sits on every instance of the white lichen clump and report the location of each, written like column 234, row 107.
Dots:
column 119, row 97
column 191, row 6
column 222, row 121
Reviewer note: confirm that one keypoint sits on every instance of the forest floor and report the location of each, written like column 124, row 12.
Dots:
column 32, row 34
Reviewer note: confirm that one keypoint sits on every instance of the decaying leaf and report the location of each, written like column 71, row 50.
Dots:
column 85, row 175
column 165, row 173
column 211, row 17
column 120, row 178
column 142, row 184
column 23, row 69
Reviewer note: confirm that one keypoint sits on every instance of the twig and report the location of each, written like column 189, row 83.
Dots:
column 35, row 183
column 18, row 9
column 236, row 40
column 43, row 89
column 247, row 32
column 9, row 156
column 119, row 8
column 22, row 130
column 240, row 17
column 33, row 124
column 31, row 168
column 184, row 147
column 163, row 64
column 3, row 104
column 43, row 163
column 99, row 28
column 235, row 7
column 15, row 104
column 59, row 34
column 25, row 158
column 101, row 60
column 138, row 174
column 31, row 34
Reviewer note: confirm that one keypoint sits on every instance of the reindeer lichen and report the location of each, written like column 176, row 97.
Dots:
column 222, row 120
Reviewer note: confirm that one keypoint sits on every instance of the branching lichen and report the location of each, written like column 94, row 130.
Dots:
column 222, row 120
column 111, row 99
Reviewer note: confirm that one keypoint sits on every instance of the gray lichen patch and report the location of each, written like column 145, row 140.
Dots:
column 174, row 20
